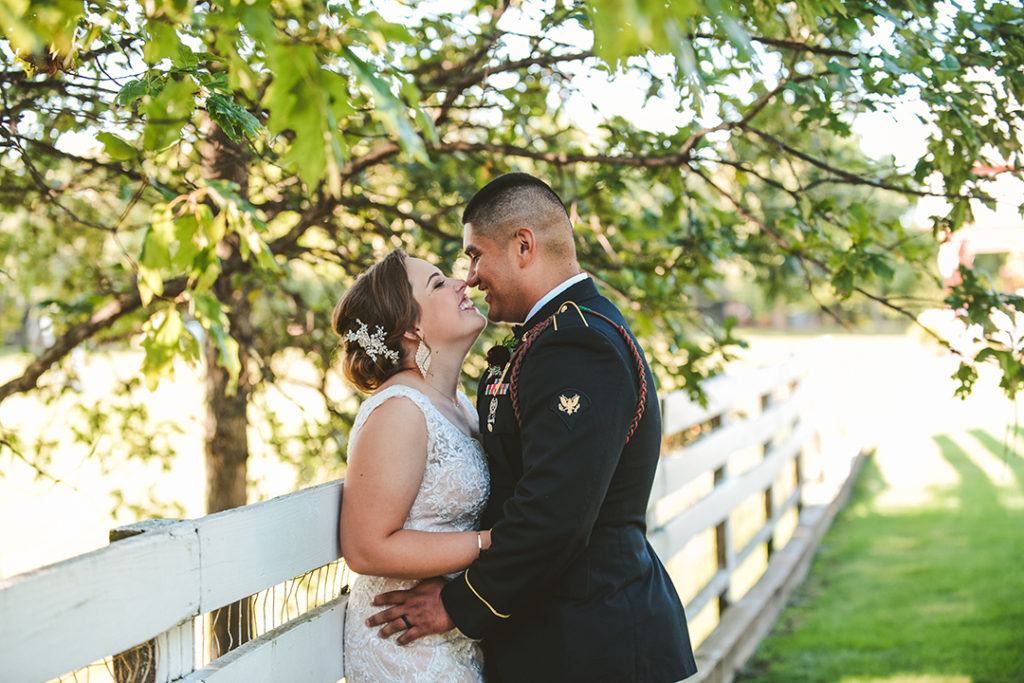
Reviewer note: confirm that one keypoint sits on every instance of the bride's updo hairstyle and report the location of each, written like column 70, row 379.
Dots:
column 380, row 297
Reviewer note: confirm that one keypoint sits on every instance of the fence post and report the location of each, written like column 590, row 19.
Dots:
column 726, row 553
column 766, row 402
column 166, row 657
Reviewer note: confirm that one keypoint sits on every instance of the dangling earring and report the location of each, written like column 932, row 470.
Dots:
column 423, row 358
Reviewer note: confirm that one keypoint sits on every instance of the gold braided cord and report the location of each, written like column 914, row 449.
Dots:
column 496, row 613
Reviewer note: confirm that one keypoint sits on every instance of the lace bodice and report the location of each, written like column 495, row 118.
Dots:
column 455, row 483
column 451, row 497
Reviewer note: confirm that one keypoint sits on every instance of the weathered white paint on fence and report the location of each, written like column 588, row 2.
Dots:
column 59, row 618
column 175, row 652
column 62, row 617
column 308, row 648
column 248, row 549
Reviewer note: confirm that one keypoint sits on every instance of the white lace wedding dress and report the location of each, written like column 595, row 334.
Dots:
column 452, row 496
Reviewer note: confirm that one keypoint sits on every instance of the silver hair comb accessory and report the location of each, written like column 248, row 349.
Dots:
column 372, row 344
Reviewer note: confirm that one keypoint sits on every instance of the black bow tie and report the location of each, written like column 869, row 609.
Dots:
column 518, row 331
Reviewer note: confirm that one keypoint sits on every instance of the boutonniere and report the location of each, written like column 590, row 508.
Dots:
column 499, row 355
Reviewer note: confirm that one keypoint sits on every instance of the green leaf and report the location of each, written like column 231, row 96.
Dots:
column 839, row 69
column 184, row 248
column 165, row 192
column 163, row 42
column 949, row 63
column 209, row 311
column 985, row 354
column 391, row 110
column 153, row 259
column 20, row 34
column 880, row 266
column 966, row 375
column 309, row 101
column 117, row 148
column 168, row 111
column 131, row 91
column 160, row 341
column 234, row 120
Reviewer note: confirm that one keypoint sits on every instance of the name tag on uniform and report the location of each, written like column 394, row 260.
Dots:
column 497, row 389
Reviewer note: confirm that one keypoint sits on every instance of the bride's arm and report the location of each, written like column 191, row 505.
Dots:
column 385, row 467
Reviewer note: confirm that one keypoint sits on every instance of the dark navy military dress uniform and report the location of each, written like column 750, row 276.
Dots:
column 570, row 590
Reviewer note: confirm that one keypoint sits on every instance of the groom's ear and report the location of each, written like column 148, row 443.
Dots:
column 525, row 245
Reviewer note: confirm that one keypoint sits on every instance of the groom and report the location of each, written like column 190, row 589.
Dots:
column 569, row 590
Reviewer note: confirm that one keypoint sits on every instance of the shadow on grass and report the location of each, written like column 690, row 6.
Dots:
column 934, row 593
column 1006, row 450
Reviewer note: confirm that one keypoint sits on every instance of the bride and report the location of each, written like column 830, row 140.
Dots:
column 415, row 464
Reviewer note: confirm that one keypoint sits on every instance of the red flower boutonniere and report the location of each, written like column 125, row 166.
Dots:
column 499, row 355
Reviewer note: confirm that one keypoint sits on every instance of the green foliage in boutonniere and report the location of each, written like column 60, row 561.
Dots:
column 499, row 355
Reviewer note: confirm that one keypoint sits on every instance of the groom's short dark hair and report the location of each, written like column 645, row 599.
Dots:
column 512, row 198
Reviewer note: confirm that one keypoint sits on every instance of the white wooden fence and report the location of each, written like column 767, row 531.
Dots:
column 149, row 588
column 152, row 585
column 747, row 485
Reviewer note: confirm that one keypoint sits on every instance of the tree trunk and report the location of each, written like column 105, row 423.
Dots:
column 227, row 444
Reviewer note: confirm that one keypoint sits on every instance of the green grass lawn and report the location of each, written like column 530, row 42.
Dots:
column 929, row 592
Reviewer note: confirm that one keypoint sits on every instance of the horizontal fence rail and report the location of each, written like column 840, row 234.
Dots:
column 729, row 490
column 151, row 585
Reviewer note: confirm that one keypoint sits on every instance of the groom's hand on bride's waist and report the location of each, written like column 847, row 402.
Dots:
column 417, row 611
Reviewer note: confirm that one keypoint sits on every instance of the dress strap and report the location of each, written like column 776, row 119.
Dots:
column 400, row 390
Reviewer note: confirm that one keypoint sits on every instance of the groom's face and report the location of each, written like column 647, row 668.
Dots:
column 492, row 270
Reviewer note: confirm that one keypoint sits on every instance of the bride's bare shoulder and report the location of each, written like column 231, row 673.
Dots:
column 397, row 418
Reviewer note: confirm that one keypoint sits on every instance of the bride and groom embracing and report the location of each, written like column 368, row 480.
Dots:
column 505, row 543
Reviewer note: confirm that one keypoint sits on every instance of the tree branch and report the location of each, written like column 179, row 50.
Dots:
column 106, row 316
column 846, row 176
column 116, row 168
column 680, row 158
column 563, row 158
column 426, row 222
column 754, row 110
column 52, row 194
column 540, row 60
column 466, row 78
column 326, row 204
column 489, row 38
column 805, row 257
column 745, row 213
column 772, row 182
column 784, row 44
column 16, row 75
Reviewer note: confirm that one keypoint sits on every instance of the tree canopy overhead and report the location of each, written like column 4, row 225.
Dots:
column 205, row 177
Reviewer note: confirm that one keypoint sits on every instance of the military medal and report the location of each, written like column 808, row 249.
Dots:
column 491, row 412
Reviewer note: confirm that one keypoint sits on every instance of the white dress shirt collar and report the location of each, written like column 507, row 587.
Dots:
column 579, row 277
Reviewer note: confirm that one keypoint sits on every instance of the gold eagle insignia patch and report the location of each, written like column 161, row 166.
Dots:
column 569, row 405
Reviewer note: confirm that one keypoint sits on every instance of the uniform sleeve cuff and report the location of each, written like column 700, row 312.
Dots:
column 471, row 615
